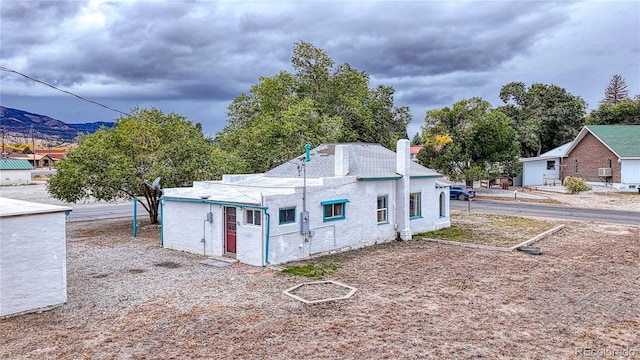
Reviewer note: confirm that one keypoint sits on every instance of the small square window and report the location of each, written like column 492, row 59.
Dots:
column 287, row 215
column 334, row 209
column 382, row 210
column 253, row 217
column 551, row 165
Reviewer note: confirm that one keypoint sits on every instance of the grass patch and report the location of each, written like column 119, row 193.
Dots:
column 489, row 229
column 314, row 271
column 453, row 233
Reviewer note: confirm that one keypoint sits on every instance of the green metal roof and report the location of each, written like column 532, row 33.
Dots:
column 15, row 164
column 624, row 140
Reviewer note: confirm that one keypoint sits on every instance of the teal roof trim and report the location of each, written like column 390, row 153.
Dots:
column 339, row 201
column 623, row 140
column 425, row 176
column 15, row 164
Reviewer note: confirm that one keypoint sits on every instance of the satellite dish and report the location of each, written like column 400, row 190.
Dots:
column 156, row 183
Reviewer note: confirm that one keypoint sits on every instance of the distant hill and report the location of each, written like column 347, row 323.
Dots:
column 18, row 123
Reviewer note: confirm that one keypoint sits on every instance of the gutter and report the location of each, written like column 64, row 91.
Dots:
column 221, row 203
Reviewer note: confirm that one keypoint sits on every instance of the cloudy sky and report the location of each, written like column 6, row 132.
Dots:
column 195, row 57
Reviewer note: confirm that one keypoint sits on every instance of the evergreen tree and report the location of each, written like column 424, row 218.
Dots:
column 616, row 91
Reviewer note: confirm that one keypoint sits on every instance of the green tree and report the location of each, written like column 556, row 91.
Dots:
column 465, row 141
column 625, row 112
column 616, row 91
column 416, row 140
column 319, row 102
column 122, row 162
column 544, row 116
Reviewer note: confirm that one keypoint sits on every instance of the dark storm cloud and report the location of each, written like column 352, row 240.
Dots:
column 199, row 55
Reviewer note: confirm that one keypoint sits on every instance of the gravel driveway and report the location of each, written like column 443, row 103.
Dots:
column 131, row 299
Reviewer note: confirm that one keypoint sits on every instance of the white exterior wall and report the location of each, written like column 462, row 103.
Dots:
column 359, row 228
column 249, row 239
column 15, row 177
column 630, row 173
column 535, row 173
column 185, row 224
column 430, row 207
column 33, row 267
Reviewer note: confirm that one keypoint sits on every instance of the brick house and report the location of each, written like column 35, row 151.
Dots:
column 605, row 155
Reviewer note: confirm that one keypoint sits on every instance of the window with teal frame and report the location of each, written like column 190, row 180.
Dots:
column 415, row 206
column 334, row 210
column 287, row 215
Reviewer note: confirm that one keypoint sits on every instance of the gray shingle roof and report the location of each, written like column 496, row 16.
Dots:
column 367, row 161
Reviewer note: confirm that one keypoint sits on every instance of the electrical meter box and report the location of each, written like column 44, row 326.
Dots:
column 304, row 223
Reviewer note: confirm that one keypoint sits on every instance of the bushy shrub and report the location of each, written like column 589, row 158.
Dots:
column 575, row 184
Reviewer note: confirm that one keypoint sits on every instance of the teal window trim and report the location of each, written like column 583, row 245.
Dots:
column 286, row 220
column 425, row 176
column 339, row 201
column 330, row 206
column 415, row 217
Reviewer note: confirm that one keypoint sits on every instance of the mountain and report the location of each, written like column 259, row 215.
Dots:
column 18, row 123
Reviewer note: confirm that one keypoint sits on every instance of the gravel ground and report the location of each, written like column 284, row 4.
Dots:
column 598, row 197
column 131, row 299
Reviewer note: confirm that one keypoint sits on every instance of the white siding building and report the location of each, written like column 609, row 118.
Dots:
column 33, row 265
column 346, row 196
column 544, row 170
column 15, row 172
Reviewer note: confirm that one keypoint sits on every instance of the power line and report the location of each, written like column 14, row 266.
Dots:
column 64, row 91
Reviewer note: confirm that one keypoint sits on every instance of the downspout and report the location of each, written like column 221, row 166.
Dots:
column 266, row 251
column 161, row 228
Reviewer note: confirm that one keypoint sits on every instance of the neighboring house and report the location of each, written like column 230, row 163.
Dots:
column 36, row 160
column 346, row 196
column 544, row 169
column 600, row 154
column 414, row 150
column 606, row 154
column 33, row 268
column 53, row 154
column 15, row 172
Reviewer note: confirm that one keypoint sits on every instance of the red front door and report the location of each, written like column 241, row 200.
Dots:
column 230, row 229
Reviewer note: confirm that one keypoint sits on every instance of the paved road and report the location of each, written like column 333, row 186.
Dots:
column 105, row 211
column 546, row 210
column 85, row 211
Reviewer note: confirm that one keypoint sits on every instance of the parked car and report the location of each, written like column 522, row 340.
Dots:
column 462, row 192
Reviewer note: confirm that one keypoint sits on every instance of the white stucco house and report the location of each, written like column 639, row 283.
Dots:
column 15, row 172
column 544, row 170
column 346, row 196
column 33, row 265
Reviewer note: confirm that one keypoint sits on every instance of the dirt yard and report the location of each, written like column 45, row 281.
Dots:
column 131, row 299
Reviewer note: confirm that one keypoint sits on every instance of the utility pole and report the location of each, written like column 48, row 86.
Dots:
column 4, row 154
column 33, row 145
